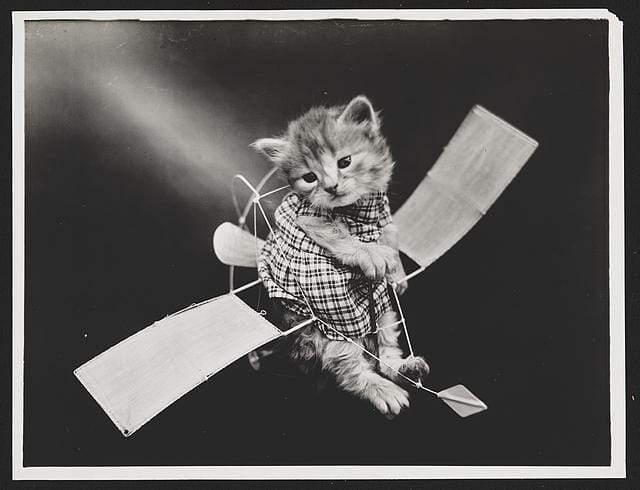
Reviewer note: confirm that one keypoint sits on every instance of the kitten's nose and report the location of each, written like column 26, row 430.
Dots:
column 332, row 189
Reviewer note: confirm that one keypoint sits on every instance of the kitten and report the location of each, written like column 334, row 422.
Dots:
column 334, row 244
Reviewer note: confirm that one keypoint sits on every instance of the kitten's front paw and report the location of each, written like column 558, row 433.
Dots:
column 389, row 398
column 376, row 261
column 396, row 275
column 414, row 367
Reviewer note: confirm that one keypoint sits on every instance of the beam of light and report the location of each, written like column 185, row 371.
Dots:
column 193, row 139
column 202, row 143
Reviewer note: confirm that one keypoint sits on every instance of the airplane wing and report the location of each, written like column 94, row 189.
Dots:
column 136, row 379
column 479, row 162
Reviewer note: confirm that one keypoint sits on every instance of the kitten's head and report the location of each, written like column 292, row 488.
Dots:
column 333, row 156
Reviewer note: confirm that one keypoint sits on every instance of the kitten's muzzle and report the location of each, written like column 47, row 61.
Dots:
column 333, row 190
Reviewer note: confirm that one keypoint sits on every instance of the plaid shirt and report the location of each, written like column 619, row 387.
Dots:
column 338, row 294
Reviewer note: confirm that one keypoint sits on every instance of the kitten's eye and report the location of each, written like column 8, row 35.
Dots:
column 310, row 177
column 344, row 162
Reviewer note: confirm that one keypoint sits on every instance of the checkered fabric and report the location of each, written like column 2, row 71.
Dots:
column 338, row 294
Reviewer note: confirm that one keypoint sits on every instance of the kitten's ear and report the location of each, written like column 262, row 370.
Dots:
column 273, row 148
column 360, row 110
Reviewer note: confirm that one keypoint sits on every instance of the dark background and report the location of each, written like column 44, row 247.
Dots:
column 133, row 131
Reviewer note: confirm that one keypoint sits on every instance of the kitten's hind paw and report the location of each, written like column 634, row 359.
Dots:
column 254, row 360
column 388, row 398
column 414, row 367
column 257, row 357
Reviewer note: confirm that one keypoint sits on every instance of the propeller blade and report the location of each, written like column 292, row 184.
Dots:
column 235, row 246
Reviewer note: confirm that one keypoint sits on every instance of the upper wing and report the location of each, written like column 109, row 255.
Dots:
column 481, row 159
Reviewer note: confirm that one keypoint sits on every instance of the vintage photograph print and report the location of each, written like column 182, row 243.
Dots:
column 312, row 244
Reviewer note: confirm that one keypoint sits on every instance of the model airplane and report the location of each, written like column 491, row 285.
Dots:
column 142, row 375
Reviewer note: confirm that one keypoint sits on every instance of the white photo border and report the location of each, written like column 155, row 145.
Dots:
column 617, row 468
